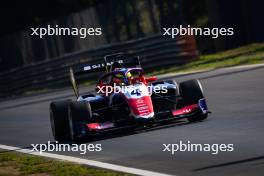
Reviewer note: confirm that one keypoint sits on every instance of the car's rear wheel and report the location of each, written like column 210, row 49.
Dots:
column 80, row 113
column 59, row 120
column 191, row 92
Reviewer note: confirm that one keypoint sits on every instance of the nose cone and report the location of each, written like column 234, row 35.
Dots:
column 141, row 108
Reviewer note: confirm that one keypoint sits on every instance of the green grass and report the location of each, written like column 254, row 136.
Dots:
column 250, row 54
column 17, row 164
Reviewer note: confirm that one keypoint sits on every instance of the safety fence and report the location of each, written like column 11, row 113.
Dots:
column 155, row 52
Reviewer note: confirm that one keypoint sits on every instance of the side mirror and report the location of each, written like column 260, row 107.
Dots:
column 151, row 79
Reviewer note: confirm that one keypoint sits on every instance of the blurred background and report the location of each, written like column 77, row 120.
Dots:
column 128, row 25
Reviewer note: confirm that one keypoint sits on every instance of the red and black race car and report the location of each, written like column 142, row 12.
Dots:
column 125, row 99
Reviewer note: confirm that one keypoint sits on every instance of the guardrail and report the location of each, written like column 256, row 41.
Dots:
column 155, row 51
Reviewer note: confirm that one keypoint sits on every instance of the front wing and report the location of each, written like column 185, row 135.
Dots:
column 184, row 112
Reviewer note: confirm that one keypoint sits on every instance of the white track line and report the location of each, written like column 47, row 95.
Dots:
column 86, row 162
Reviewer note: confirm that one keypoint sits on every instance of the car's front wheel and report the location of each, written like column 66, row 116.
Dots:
column 191, row 92
column 79, row 114
column 59, row 119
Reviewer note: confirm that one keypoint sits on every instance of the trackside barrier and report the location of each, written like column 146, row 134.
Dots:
column 155, row 52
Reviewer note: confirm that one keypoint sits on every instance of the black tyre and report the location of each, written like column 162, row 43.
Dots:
column 191, row 92
column 59, row 119
column 79, row 113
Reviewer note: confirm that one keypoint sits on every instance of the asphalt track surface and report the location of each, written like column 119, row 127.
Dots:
column 235, row 96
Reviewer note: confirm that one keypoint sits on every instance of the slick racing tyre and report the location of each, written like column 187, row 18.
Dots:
column 59, row 120
column 191, row 92
column 79, row 113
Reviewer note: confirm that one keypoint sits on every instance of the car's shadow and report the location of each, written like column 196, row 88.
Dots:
column 125, row 132
column 119, row 133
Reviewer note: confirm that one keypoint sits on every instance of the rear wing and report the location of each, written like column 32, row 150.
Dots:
column 123, row 60
column 111, row 62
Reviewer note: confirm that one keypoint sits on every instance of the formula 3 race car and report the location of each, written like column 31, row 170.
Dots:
column 125, row 99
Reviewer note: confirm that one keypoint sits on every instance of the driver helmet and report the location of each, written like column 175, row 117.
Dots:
column 118, row 78
column 129, row 75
